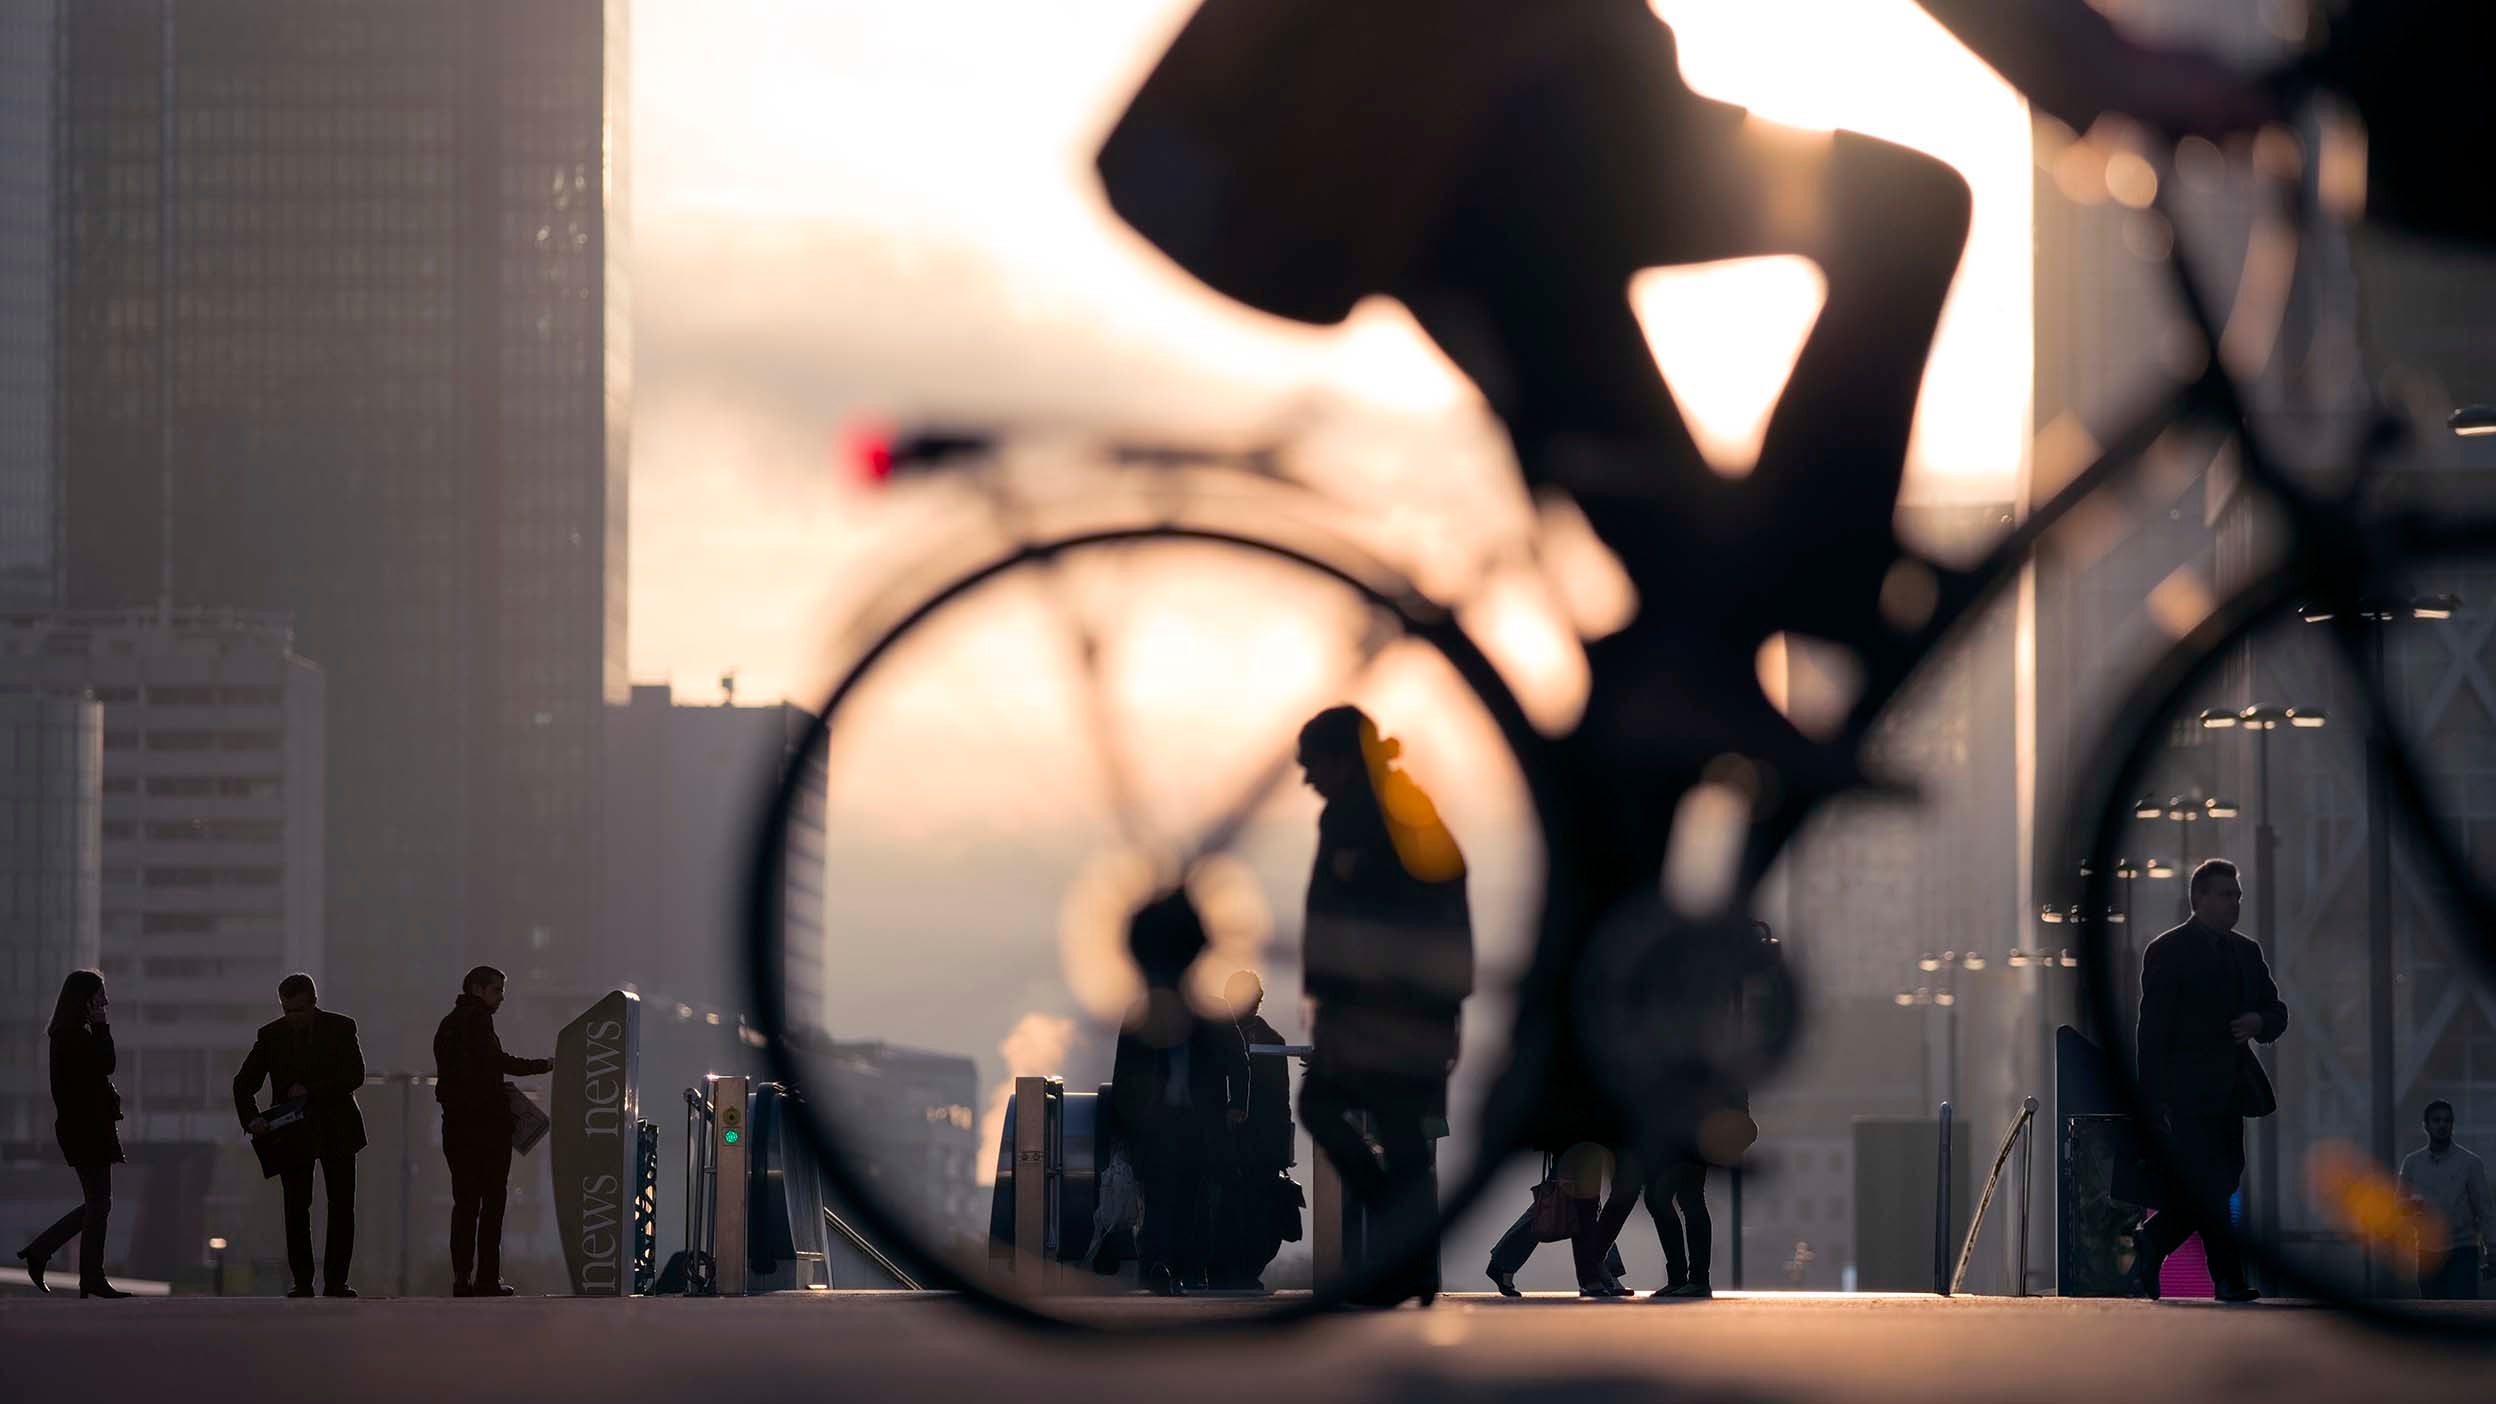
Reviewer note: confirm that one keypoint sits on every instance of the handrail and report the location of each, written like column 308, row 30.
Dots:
column 874, row 1255
column 2019, row 1128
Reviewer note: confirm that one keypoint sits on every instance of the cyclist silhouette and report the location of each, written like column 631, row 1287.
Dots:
column 1503, row 169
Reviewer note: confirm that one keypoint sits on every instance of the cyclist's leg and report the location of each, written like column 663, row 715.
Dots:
column 1886, row 227
column 1889, row 229
column 1612, row 167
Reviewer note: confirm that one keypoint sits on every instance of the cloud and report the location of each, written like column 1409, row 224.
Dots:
column 1039, row 1045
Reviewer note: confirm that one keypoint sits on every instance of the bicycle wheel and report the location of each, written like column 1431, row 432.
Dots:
column 2346, row 717
column 992, row 786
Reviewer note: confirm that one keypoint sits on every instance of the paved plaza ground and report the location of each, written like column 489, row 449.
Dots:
column 875, row 1346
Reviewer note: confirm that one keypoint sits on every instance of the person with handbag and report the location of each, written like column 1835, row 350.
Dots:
column 1558, row 1213
column 1702, row 1119
column 1259, row 1208
column 1563, row 1210
column 2206, row 998
column 310, row 1058
column 84, row 1108
column 1676, row 1188
column 469, row 1064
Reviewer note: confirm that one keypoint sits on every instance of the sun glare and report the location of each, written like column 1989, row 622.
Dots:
column 1726, row 336
column 775, row 119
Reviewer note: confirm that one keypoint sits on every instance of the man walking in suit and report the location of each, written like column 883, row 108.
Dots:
column 2206, row 999
column 1178, row 1087
column 310, row 1055
column 1257, row 1150
column 469, row 1064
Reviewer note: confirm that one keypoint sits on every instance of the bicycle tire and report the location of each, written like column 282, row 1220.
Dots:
column 1378, row 588
column 2127, row 751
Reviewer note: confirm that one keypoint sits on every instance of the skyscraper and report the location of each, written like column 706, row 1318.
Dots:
column 50, row 796
column 30, row 519
column 211, row 838
column 342, row 335
column 685, row 789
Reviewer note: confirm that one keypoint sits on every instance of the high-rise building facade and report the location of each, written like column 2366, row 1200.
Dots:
column 904, row 1118
column 211, row 839
column 342, row 334
column 51, row 794
column 685, row 789
column 30, row 517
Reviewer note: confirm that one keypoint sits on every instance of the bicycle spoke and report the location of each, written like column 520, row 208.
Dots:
column 1220, row 834
column 1099, row 711
column 2414, row 803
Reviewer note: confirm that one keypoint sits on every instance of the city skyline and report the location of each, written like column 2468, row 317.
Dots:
column 344, row 335
column 508, row 390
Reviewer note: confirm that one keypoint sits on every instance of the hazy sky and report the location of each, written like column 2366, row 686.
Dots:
column 883, row 209
column 852, row 208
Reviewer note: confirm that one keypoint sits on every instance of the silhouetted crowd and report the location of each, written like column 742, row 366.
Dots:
column 312, row 1065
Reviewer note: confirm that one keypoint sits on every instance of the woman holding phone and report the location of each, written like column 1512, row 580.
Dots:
column 85, row 1108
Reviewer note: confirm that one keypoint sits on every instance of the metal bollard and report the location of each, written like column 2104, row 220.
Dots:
column 697, row 1215
column 2027, row 1165
column 731, row 1258
column 1941, row 1209
column 407, row 1184
column 1031, row 1185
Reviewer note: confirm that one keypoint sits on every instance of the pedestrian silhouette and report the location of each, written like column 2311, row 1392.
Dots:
column 1260, row 1204
column 469, row 1066
column 85, row 1109
column 1597, row 1259
column 2206, row 999
column 312, row 1063
column 2443, row 1193
column 1387, row 958
column 1176, row 1083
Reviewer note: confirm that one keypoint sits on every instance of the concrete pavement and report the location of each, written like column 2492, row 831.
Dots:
column 851, row 1346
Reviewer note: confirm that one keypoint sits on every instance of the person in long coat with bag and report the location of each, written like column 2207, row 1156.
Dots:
column 1387, row 957
column 469, row 1066
column 311, row 1056
column 2206, row 998
column 85, row 1109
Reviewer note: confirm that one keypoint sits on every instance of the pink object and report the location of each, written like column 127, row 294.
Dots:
column 2186, row 1272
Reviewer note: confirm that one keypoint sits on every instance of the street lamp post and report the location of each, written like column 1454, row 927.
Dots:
column 2262, row 720
column 2126, row 957
column 2183, row 813
column 2051, row 915
column 1909, row 999
column 1948, row 964
column 2382, row 614
column 2044, row 959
